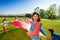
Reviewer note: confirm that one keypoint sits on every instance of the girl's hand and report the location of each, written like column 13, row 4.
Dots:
column 28, row 33
column 49, row 38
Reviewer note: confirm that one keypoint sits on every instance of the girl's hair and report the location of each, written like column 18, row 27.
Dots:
column 38, row 20
column 4, row 19
column 16, row 17
column 51, row 30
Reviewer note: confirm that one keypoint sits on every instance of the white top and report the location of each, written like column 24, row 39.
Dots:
column 4, row 23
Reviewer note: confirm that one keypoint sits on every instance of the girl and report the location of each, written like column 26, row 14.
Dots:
column 35, row 27
column 4, row 24
column 53, row 35
column 16, row 18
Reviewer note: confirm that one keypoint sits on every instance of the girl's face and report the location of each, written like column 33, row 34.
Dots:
column 35, row 17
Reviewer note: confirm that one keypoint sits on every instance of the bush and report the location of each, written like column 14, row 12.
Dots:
column 28, row 15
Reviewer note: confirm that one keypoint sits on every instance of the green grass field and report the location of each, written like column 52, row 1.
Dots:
column 15, row 33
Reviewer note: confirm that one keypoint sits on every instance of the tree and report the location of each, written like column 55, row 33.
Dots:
column 51, row 12
column 28, row 15
column 42, row 13
column 59, row 11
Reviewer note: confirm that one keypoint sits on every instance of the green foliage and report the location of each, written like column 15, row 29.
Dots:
column 28, row 15
column 42, row 13
column 50, row 13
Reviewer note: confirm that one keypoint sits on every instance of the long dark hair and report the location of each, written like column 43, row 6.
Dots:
column 38, row 20
column 16, row 17
column 4, row 19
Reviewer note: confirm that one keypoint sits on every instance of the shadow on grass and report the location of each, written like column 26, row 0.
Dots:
column 15, row 34
column 2, row 34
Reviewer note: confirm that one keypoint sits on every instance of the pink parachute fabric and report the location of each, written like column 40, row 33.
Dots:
column 25, row 24
column 20, row 24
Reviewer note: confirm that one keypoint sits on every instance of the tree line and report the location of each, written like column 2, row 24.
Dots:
column 49, row 13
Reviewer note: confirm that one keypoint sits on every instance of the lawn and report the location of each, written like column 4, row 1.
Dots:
column 15, row 33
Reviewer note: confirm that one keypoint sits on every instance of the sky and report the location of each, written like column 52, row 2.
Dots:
column 24, row 6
